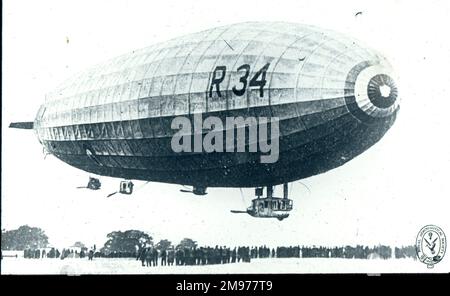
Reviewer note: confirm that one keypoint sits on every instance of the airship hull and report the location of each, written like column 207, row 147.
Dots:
column 115, row 119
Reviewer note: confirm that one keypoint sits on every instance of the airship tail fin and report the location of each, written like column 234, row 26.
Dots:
column 22, row 125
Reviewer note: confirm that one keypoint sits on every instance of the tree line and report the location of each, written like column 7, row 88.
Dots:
column 134, row 243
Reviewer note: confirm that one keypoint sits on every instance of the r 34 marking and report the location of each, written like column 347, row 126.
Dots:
column 258, row 80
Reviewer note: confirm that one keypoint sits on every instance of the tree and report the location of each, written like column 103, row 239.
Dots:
column 25, row 237
column 80, row 245
column 163, row 244
column 128, row 241
column 187, row 243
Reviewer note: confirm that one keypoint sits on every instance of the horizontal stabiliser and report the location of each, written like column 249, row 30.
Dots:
column 22, row 125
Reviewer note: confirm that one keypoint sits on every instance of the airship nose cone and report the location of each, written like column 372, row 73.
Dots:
column 382, row 91
column 371, row 92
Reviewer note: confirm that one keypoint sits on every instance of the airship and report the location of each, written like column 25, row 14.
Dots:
column 331, row 98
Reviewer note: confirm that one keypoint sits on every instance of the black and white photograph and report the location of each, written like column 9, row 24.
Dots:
column 225, row 137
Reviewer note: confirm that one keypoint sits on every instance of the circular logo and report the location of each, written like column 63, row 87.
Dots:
column 430, row 245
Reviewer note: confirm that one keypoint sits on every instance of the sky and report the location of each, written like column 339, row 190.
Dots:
column 385, row 195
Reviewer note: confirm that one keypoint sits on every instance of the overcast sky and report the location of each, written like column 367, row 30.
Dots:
column 384, row 195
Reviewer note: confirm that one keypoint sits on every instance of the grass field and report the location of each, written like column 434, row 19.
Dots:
column 76, row 266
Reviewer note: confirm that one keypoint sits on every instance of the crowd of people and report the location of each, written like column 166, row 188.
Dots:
column 358, row 252
column 152, row 256
column 55, row 253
